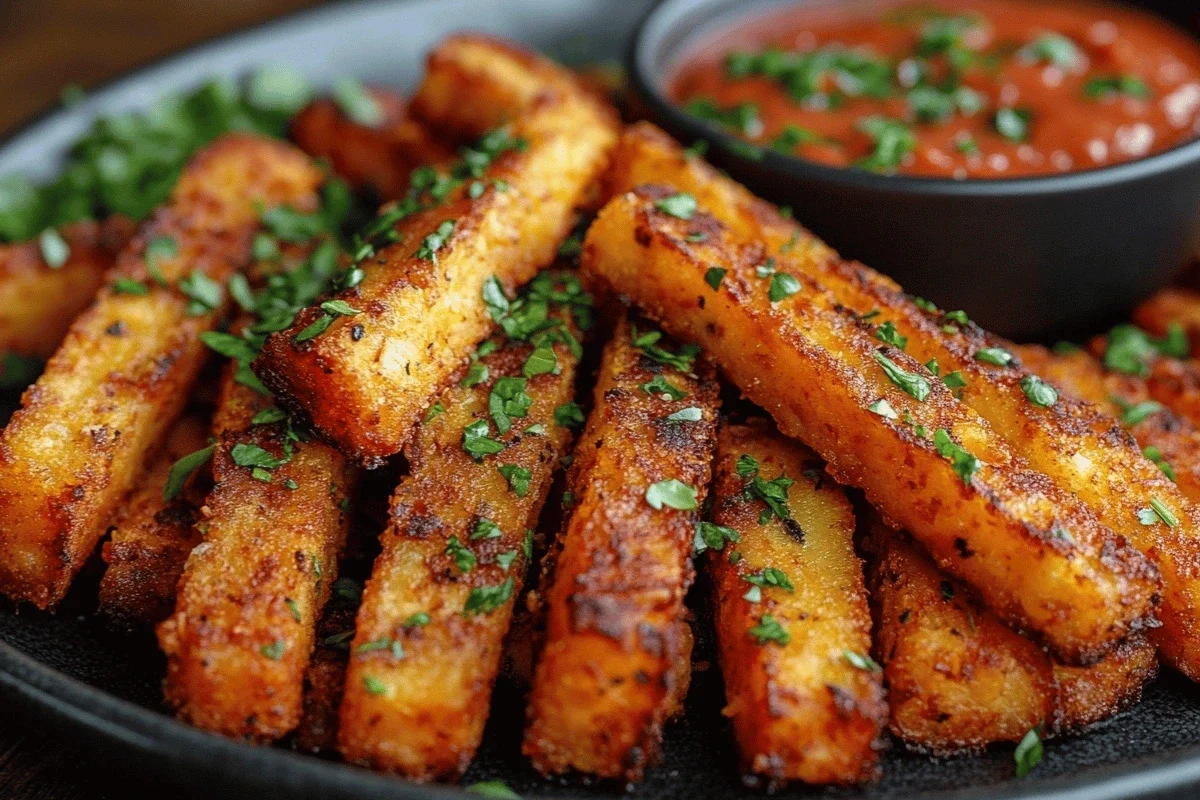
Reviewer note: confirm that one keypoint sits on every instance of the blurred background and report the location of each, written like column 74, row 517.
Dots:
column 47, row 46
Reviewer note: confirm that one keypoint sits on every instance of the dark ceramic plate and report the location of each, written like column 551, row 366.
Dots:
column 91, row 691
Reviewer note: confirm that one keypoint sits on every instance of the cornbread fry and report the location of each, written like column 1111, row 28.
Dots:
column 1171, row 306
column 435, row 612
column 617, row 655
column 123, row 373
column 807, row 703
column 873, row 412
column 317, row 731
column 1176, row 384
column 1174, row 442
column 38, row 301
column 476, row 83
column 379, row 157
column 153, row 534
column 1065, row 440
column 365, row 380
column 958, row 679
column 244, row 626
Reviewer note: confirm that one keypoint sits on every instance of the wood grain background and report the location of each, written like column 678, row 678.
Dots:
column 46, row 45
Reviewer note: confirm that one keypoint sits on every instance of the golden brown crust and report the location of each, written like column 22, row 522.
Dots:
column 815, row 367
column 123, row 373
column 379, row 157
column 239, row 641
column 959, row 680
column 474, row 83
column 421, row 715
column 616, row 634
column 1171, row 306
column 1125, row 397
column 367, row 380
column 153, row 536
column 38, row 302
column 317, row 732
column 812, row 708
column 1087, row 695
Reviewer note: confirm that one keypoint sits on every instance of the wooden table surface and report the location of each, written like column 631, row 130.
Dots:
column 45, row 46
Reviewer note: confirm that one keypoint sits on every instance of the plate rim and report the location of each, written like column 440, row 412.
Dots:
column 49, row 692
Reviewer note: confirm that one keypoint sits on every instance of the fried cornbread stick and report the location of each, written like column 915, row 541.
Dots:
column 959, row 679
column 617, row 655
column 1168, row 439
column 1036, row 554
column 793, row 624
column 429, row 636
column 123, row 373
column 154, row 534
column 1172, row 306
column 244, row 626
column 475, row 83
column 39, row 300
column 380, row 157
column 318, row 729
column 366, row 380
column 1068, row 441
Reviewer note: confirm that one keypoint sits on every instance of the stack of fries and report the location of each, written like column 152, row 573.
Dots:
column 1030, row 547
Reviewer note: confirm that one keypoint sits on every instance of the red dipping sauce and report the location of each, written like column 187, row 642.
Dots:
column 955, row 88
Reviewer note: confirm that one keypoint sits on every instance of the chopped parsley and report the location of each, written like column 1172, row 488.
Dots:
column 1102, row 87
column 1012, row 123
column 356, row 102
column 1029, row 752
column 913, row 384
column 1154, row 454
column 888, row 334
column 711, row 536
column 671, row 493
column 477, row 441
column 568, row 415
column 1134, row 413
column 746, row 466
column 768, row 629
column 661, row 386
column 1038, row 391
column 770, row 577
column 183, row 469
column 774, row 493
column 682, row 206
column 860, row 661
column 892, row 141
column 782, row 286
column 486, row 599
column 884, row 409
column 518, row 478
column 508, row 400
column 689, row 414
column 713, row 277
column 996, row 356
column 435, row 241
column 461, row 555
column 963, row 462
column 647, row 342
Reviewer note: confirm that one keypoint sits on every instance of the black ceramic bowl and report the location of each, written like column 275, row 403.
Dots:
column 1031, row 258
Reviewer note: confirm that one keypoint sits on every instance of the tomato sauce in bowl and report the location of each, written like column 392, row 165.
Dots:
column 954, row 88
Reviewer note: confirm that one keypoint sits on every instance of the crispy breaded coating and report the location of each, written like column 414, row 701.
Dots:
column 154, row 534
column 123, row 373
column 244, row 626
column 1173, row 441
column 617, row 654
column 367, row 379
column 474, row 83
column 435, row 612
column 793, row 624
column 317, row 732
column 959, row 679
column 1080, row 450
column 882, row 421
column 380, row 157
column 1172, row 306
column 38, row 301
